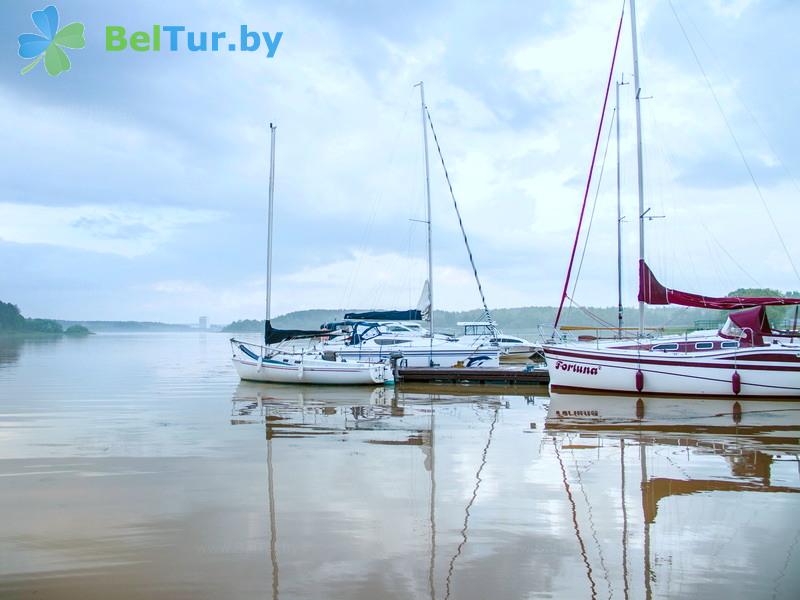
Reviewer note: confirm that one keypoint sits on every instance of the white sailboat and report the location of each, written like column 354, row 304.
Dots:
column 746, row 357
column 268, row 362
column 372, row 340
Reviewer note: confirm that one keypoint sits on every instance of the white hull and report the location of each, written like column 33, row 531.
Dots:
column 763, row 371
column 305, row 368
column 518, row 351
column 423, row 357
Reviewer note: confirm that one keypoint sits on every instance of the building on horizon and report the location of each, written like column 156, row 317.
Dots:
column 202, row 323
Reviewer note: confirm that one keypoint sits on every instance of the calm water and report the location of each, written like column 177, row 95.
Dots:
column 138, row 466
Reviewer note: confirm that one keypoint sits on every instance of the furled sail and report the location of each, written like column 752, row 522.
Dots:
column 652, row 292
column 273, row 336
column 386, row 315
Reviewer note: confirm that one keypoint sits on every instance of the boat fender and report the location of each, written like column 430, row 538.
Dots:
column 736, row 382
column 639, row 380
column 640, row 409
column 737, row 413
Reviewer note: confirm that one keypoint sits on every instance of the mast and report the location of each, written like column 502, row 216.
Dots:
column 272, row 129
column 648, row 570
column 619, row 220
column 273, row 536
column 432, row 566
column 428, row 199
column 639, row 166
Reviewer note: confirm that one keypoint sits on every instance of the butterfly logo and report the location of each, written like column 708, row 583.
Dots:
column 49, row 44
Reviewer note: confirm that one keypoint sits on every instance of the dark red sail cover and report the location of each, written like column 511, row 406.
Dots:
column 754, row 323
column 652, row 292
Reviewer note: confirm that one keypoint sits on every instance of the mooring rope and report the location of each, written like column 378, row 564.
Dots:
column 460, row 222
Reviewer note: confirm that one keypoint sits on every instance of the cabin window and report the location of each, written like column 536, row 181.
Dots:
column 730, row 344
column 704, row 345
column 666, row 347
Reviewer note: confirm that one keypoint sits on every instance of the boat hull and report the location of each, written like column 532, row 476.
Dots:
column 761, row 371
column 518, row 352
column 421, row 357
column 308, row 370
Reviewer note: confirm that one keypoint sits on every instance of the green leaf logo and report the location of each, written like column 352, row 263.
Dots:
column 49, row 44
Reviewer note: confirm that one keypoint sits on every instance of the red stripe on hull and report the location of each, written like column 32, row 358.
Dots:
column 676, row 362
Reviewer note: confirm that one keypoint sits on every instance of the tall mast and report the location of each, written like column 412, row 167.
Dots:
column 272, row 129
column 638, row 88
column 619, row 221
column 428, row 199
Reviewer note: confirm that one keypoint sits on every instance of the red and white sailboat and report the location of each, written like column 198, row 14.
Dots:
column 746, row 357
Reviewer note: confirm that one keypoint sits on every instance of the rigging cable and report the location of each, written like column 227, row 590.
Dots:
column 478, row 481
column 460, row 222
column 574, row 510
column 721, row 66
column 735, row 141
column 590, row 314
column 590, row 516
column 594, row 205
column 591, row 170
column 362, row 248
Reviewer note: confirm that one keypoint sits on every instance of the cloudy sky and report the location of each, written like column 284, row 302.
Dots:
column 134, row 186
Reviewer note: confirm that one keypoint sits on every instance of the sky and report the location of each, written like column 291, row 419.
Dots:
column 134, row 186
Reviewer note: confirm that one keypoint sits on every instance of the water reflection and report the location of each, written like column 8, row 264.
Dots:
column 380, row 416
column 751, row 437
column 138, row 468
column 10, row 347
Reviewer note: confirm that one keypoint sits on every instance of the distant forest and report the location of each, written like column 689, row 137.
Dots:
column 511, row 320
column 142, row 326
column 12, row 322
column 508, row 319
column 527, row 319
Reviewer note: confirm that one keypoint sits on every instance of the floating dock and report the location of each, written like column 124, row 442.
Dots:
column 502, row 375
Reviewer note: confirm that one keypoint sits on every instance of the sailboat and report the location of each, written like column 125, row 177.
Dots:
column 745, row 357
column 372, row 340
column 270, row 362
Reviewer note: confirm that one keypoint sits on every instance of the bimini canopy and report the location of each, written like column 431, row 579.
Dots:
column 652, row 292
column 386, row 315
column 421, row 313
column 750, row 325
column 273, row 336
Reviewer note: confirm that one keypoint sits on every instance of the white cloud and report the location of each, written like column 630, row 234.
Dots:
column 730, row 8
column 144, row 169
column 124, row 230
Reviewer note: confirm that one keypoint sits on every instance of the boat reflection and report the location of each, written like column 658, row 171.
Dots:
column 763, row 424
column 382, row 417
column 252, row 401
column 751, row 436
